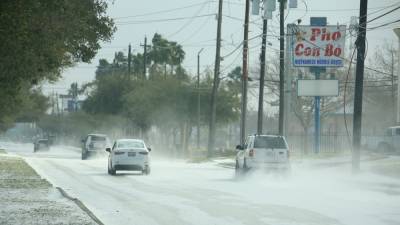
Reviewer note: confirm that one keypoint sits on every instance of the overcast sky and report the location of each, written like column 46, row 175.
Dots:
column 192, row 23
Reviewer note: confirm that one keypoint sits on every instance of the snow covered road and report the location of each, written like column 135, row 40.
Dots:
column 180, row 193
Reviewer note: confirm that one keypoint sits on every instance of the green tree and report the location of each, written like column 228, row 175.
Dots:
column 167, row 102
column 107, row 95
column 39, row 38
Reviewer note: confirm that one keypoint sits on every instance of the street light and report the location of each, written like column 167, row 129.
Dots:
column 397, row 32
column 198, row 98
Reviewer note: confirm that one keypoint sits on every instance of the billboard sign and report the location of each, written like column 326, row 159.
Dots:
column 312, row 88
column 318, row 46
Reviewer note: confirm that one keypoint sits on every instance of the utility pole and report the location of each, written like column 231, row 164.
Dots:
column 52, row 103
column 57, row 105
column 281, row 63
column 262, row 77
column 317, row 21
column 269, row 7
column 245, row 74
column 211, row 134
column 397, row 32
column 392, row 81
column 358, row 92
column 129, row 60
column 198, row 98
column 145, row 57
column 75, row 95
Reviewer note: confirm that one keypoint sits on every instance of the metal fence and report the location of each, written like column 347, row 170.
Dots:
column 330, row 143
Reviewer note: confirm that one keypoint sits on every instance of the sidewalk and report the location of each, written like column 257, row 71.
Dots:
column 26, row 198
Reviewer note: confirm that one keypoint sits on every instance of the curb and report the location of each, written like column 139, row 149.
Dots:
column 80, row 205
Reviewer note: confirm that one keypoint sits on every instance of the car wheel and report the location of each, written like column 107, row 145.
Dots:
column 111, row 170
column 146, row 170
column 84, row 155
column 245, row 167
column 237, row 168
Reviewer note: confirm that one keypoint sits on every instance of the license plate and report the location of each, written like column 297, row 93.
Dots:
column 132, row 154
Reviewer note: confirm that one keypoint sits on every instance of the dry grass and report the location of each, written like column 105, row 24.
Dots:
column 16, row 173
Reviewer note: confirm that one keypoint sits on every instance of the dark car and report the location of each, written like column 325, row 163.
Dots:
column 94, row 144
column 41, row 144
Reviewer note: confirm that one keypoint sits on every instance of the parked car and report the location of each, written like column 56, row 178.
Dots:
column 269, row 152
column 41, row 144
column 94, row 144
column 129, row 154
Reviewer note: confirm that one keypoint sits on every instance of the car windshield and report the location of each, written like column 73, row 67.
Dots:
column 269, row 142
column 130, row 144
column 98, row 138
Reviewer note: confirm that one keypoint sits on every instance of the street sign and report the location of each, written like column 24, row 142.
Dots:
column 312, row 88
column 319, row 46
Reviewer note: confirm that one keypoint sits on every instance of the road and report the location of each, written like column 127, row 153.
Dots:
column 182, row 193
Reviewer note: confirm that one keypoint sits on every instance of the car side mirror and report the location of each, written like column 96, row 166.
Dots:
column 149, row 149
column 108, row 149
column 239, row 147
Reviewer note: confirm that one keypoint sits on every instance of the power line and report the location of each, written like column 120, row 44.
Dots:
column 163, row 20
column 327, row 10
column 238, row 46
column 163, row 11
column 198, row 30
column 241, row 20
column 189, row 21
column 383, row 25
column 382, row 15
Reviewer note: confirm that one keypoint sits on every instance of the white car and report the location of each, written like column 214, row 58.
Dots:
column 129, row 154
column 269, row 152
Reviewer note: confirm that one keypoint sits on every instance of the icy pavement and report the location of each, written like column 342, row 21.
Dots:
column 180, row 193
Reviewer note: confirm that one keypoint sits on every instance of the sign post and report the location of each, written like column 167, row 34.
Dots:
column 319, row 46
column 317, row 119
column 317, row 21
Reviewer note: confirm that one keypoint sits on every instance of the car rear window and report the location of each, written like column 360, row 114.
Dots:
column 269, row 142
column 98, row 138
column 130, row 144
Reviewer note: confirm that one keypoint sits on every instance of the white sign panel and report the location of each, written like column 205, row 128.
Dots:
column 320, row 46
column 317, row 88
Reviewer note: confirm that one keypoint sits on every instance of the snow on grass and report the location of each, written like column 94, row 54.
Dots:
column 26, row 198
